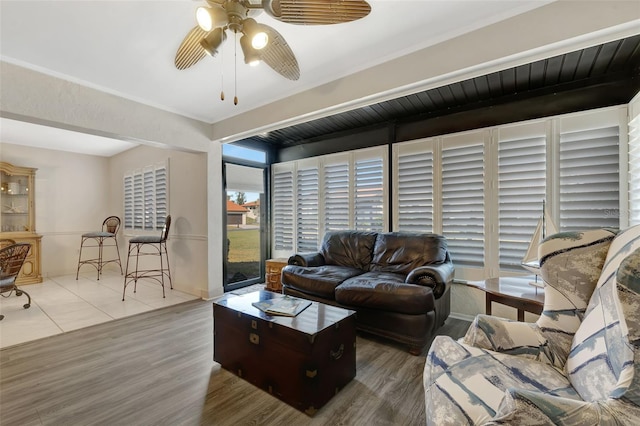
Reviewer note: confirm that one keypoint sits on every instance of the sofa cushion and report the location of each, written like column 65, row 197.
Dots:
column 400, row 253
column 385, row 291
column 320, row 280
column 348, row 248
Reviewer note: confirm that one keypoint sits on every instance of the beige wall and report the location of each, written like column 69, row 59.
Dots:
column 70, row 200
column 187, row 205
column 76, row 192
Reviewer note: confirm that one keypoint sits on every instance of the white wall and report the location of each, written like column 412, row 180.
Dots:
column 187, row 243
column 72, row 197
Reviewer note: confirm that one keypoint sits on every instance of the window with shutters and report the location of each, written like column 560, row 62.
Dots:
column 463, row 202
column 634, row 171
column 307, row 209
column 368, row 203
column 414, row 199
column 146, row 201
column 336, row 196
column 589, row 179
column 483, row 189
column 521, row 192
column 283, row 217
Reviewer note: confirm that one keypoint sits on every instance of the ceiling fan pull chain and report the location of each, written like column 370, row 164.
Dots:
column 235, row 69
column 222, row 72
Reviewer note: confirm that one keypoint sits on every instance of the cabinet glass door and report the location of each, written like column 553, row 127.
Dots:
column 14, row 199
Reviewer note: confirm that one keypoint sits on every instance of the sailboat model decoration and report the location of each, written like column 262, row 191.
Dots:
column 545, row 227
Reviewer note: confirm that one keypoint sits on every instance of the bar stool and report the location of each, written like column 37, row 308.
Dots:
column 149, row 245
column 105, row 238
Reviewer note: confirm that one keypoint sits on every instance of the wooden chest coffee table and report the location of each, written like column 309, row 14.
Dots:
column 303, row 360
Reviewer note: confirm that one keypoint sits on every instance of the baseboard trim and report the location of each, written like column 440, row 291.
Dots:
column 463, row 317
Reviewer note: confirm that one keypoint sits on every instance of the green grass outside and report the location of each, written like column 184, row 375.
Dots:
column 244, row 253
column 244, row 244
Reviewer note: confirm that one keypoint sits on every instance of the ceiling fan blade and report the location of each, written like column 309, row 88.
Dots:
column 316, row 12
column 278, row 55
column 190, row 50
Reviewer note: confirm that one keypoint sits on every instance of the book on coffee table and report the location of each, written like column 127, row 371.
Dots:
column 285, row 306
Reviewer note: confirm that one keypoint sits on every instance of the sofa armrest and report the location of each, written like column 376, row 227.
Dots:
column 306, row 259
column 438, row 277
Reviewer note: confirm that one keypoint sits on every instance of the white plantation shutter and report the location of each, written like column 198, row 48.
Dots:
column 336, row 196
column 634, row 171
column 307, row 209
column 589, row 179
column 128, row 202
column 415, row 192
column 463, row 203
column 149, row 198
column 283, row 217
column 146, row 201
column 521, row 190
column 138, row 202
column 162, row 196
column 369, row 195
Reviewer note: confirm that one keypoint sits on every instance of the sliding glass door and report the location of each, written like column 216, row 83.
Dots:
column 245, row 225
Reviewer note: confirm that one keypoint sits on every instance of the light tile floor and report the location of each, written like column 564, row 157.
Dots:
column 62, row 304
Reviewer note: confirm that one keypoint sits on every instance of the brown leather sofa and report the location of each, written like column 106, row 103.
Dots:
column 398, row 283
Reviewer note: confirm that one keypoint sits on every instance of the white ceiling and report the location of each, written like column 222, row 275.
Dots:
column 39, row 136
column 127, row 48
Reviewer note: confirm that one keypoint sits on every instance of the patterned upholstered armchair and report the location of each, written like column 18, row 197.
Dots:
column 578, row 364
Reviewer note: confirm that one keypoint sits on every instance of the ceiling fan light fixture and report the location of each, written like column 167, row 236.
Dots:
column 259, row 37
column 251, row 55
column 212, row 41
column 260, row 40
column 208, row 17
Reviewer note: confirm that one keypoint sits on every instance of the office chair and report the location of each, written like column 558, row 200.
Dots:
column 149, row 245
column 109, row 234
column 11, row 260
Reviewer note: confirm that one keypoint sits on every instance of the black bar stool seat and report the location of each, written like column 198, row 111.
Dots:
column 107, row 237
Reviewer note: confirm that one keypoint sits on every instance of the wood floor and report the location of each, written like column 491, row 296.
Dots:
column 156, row 368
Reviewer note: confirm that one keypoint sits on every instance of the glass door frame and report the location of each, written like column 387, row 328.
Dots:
column 264, row 226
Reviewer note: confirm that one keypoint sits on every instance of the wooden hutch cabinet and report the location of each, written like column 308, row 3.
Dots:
column 18, row 216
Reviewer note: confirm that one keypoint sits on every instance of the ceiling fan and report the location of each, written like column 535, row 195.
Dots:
column 260, row 42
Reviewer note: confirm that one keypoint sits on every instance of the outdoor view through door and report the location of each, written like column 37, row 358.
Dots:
column 245, row 197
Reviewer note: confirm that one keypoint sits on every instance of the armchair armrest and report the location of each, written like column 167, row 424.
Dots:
column 438, row 277
column 512, row 337
column 306, row 259
column 521, row 406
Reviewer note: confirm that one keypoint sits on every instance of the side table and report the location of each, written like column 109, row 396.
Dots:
column 273, row 273
column 511, row 291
